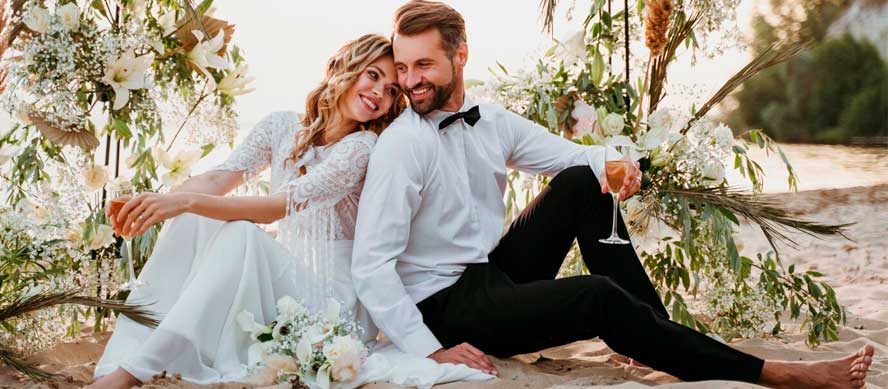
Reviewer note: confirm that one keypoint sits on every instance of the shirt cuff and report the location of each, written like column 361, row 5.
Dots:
column 421, row 343
column 596, row 158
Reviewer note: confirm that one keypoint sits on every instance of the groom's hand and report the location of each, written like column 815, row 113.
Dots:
column 465, row 354
column 631, row 180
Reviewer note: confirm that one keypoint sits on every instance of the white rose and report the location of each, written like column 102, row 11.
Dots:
column 95, row 177
column 70, row 16
column 280, row 363
column 613, row 124
column 344, row 354
column 714, row 171
column 661, row 119
column 723, row 135
column 37, row 19
column 102, row 237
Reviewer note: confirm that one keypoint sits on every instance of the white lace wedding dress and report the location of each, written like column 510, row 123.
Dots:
column 203, row 272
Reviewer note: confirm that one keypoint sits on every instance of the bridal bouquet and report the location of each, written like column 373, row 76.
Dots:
column 301, row 348
column 575, row 92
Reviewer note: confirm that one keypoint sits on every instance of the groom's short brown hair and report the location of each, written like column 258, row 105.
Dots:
column 418, row 16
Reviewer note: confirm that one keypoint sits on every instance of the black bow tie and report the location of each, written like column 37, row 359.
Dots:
column 470, row 117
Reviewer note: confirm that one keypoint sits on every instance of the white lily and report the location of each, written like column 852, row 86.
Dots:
column 626, row 142
column 179, row 166
column 288, row 307
column 167, row 22
column 69, row 14
column 37, row 19
column 573, row 49
column 323, row 377
column 235, row 83
column 247, row 322
column 103, row 236
column 331, row 311
column 303, row 351
column 7, row 153
column 205, row 54
column 127, row 73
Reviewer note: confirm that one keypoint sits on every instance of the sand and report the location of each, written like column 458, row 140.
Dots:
column 857, row 269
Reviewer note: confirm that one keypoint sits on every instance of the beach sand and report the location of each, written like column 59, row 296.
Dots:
column 857, row 269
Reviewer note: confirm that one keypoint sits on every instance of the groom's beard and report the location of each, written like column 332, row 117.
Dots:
column 440, row 96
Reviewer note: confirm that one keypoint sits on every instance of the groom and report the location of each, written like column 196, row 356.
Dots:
column 439, row 277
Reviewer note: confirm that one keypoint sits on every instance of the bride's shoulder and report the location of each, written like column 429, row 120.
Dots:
column 280, row 121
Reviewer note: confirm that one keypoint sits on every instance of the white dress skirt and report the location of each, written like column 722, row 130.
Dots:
column 203, row 272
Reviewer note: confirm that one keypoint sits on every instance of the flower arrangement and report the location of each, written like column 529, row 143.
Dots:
column 99, row 93
column 302, row 348
column 684, row 156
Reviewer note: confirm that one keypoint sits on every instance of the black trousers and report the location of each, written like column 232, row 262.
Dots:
column 513, row 304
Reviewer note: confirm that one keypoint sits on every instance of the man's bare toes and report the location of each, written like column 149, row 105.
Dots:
column 857, row 383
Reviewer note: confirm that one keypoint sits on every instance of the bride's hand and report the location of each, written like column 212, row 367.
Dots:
column 147, row 209
column 465, row 354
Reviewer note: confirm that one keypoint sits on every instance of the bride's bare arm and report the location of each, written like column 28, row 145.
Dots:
column 146, row 209
column 215, row 182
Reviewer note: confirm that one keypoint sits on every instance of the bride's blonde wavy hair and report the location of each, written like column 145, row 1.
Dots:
column 343, row 69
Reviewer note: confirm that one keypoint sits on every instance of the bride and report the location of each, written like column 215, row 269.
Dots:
column 211, row 262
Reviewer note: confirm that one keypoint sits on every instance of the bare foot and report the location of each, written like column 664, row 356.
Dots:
column 118, row 379
column 848, row 372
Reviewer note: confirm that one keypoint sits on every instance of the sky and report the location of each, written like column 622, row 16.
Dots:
column 287, row 43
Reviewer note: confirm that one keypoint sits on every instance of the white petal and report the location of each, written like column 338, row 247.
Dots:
column 323, row 377
column 121, row 97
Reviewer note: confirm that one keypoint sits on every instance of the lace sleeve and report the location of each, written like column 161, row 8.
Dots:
column 339, row 174
column 254, row 154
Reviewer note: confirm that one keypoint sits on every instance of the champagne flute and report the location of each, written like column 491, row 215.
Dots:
column 615, row 168
column 118, row 197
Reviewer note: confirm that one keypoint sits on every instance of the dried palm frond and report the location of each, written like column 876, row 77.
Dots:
column 77, row 136
column 656, row 25
column 774, row 221
column 209, row 26
column 19, row 306
column 776, row 53
column 547, row 14
column 14, row 361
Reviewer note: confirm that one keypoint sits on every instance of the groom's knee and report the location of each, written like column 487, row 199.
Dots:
column 576, row 175
column 578, row 181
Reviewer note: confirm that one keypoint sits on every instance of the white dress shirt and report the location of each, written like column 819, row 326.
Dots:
column 432, row 203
